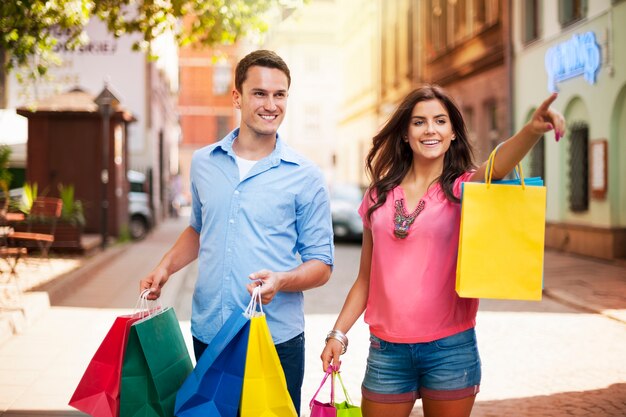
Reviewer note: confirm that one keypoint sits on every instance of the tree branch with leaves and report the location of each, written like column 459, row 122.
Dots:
column 28, row 27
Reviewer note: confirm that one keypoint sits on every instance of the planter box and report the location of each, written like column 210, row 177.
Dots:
column 67, row 237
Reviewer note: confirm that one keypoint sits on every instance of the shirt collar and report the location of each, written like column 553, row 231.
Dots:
column 280, row 152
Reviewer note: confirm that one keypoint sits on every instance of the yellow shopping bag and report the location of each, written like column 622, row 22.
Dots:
column 264, row 392
column 501, row 240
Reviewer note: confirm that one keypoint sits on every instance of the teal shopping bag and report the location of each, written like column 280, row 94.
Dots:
column 155, row 365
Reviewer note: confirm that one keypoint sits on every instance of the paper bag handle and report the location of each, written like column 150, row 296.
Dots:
column 343, row 387
column 142, row 306
column 331, row 370
column 489, row 169
column 255, row 302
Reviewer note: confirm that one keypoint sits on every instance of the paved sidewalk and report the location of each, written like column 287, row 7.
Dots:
column 593, row 285
column 41, row 365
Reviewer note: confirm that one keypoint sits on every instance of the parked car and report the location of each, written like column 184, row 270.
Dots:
column 345, row 199
column 141, row 219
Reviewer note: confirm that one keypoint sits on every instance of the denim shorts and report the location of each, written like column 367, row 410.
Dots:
column 444, row 369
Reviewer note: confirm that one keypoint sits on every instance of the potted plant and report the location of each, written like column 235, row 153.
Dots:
column 72, row 211
column 67, row 228
column 70, row 226
column 29, row 195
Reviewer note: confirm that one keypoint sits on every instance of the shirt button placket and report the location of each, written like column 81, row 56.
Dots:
column 229, row 278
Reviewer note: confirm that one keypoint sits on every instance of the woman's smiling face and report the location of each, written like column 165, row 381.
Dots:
column 430, row 130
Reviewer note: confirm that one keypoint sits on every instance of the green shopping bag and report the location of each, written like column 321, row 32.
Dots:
column 156, row 364
column 347, row 407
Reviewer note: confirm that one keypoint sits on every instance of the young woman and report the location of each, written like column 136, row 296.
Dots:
column 422, row 340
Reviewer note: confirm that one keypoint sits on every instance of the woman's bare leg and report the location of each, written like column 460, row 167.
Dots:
column 448, row 408
column 374, row 409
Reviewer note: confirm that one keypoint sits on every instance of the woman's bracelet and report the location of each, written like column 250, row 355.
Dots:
column 339, row 336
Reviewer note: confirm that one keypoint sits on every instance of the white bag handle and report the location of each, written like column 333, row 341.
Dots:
column 254, row 302
column 142, row 307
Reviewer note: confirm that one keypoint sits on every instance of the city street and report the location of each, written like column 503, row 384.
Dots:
column 545, row 358
column 117, row 117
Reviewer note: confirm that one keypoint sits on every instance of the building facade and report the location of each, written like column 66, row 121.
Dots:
column 360, row 68
column 466, row 49
column 576, row 47
column 312, row 52
column 462, row 45
column 205, row 103
column 146, row 88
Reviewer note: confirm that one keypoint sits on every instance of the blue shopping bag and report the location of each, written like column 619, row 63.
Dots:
column 214, row 387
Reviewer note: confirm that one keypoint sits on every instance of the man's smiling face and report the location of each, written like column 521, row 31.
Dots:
column 263, row 101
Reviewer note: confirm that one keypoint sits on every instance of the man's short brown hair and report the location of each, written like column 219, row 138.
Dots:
column 260, row 58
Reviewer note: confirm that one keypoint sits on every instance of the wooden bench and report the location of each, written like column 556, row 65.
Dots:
column 12, row 256
column 45, row 211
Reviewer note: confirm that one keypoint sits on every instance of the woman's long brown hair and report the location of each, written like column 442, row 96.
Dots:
column 390, row 158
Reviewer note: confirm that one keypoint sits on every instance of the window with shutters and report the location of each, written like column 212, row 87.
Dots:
column 571, row 11
column 530, row 25
column 438, row 26
column 579, row 167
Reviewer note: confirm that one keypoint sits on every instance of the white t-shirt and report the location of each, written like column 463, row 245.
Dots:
column 244, row 165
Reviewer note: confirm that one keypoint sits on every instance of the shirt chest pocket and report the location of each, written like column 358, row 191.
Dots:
column 271, row 208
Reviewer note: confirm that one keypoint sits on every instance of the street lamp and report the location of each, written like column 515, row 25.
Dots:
column 106, row 101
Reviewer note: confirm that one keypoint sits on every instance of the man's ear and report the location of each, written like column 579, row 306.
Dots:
column 236, row 99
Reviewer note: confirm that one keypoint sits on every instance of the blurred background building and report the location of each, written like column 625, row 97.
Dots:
column 146, row 88
column 352, row 62
column 307, row 39
column 204, row 101
column 500, row 59
column 576, row 47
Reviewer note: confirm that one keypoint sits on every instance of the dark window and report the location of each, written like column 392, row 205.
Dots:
column 18, row 177
column 480, row 12
column 460, row 20
column 571, row 11
column 491, row 110
column 537, row 159
column 531, row 21
column 137, row 187
column 492, row 12
column 438, row 26
column 579, row 168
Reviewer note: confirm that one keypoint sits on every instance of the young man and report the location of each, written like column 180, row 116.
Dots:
column 256, row 206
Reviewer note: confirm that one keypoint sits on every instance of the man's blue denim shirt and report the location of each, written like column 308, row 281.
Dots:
column 275, row 218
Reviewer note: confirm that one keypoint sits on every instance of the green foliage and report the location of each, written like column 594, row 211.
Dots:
column 124, row 235
column 72, row 211
column 28, row 197
column 29, row 28
column 5, row 175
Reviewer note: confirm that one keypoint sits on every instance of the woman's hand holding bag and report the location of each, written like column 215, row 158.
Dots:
column 333, row 409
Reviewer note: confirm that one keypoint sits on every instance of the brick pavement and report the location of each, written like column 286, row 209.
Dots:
column 591, row 284
column 554, row 358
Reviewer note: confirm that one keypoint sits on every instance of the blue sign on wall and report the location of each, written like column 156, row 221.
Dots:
column 579, row 55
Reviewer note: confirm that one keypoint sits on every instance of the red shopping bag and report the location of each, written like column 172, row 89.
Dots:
column 98, row 392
